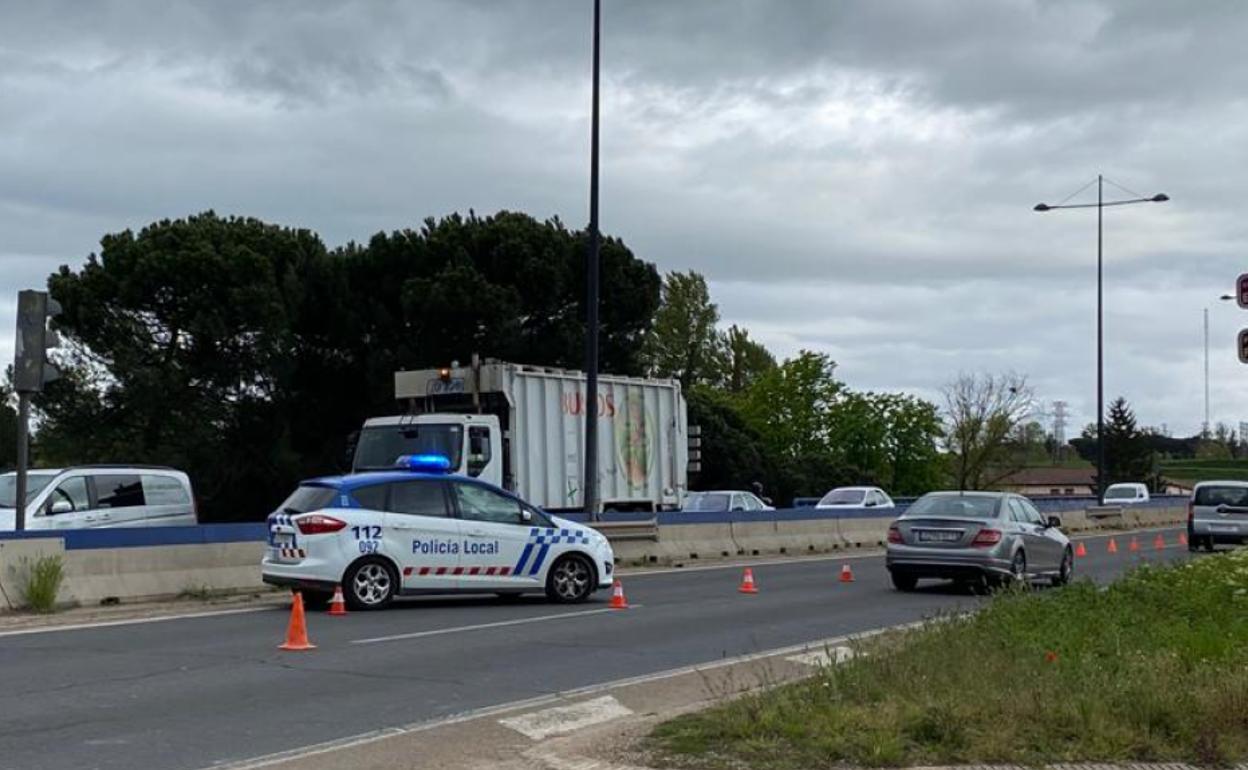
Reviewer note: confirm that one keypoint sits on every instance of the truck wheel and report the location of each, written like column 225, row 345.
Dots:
column 370, row 584
column 570, row 580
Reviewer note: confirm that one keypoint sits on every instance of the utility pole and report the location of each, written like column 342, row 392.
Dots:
column 591, row 295
column 1204, row 431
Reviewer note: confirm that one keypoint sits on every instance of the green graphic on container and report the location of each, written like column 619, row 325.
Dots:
column 634, row 437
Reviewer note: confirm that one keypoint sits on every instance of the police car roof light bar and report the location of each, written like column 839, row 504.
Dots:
column 424, row 463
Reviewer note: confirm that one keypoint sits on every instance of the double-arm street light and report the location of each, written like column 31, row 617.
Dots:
column 1100, row 205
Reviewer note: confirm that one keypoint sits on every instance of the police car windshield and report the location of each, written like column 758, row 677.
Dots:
column 35, row 482
column 308, row 497
column 382, row 445
column 707, row 501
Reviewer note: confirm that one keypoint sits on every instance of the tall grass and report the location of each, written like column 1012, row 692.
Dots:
column 41, row 583
column 1155, row 668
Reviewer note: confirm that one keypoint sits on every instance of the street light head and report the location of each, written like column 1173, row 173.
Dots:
column 1042, row 207
column 1160, row 198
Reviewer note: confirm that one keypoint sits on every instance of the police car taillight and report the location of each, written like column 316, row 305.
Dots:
column 318, row 524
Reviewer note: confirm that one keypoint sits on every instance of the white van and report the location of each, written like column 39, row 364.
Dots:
column 89, row 496
column 1126, row 493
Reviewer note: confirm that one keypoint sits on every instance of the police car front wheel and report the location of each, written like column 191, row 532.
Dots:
column 571, row 580
column 370, row 584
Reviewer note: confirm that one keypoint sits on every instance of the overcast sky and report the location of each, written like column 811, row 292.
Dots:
column 852, row 177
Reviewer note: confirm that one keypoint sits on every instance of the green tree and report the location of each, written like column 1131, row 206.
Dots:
column 747, row 360
column 685, row 343
column 981, row 413
column 245, row 353
column 8, row 429
column 733, row 455
column 1128, row 456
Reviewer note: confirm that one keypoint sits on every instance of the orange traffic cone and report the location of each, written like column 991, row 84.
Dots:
column 297, row 631
column 1081, row 549
column 1113, row 545
column 1135, row 545
column 618, row 602
column 1159, row 543
column 1182, row 538
column 747, row 582
column 847, row 574
column 336, row 605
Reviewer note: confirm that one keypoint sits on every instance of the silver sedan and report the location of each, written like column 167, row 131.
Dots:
column 983, row 539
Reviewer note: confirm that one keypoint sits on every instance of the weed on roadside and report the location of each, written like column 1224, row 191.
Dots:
column 1150, row 669
column 41, row 583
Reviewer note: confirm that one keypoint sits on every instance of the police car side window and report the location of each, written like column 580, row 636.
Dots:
column 373, row 498
column 418, row 498
column 480, row 504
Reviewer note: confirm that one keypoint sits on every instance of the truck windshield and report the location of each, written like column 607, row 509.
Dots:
column 381, row 445
column 35, row 482
column 1116, row 492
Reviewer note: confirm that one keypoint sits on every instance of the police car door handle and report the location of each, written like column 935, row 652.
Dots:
column 478, row 533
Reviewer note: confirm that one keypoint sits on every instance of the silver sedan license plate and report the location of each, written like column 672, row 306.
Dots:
column 938, row 536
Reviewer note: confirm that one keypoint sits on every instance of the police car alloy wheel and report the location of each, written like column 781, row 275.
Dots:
column 571, row 580
column 370, row 585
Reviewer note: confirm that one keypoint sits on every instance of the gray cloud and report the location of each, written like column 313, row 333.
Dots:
column 852, row 177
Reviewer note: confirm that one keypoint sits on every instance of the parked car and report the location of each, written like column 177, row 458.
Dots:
column 90, row 496
column 725, row 500
column 1126, row 493
column 1217, row 513
column 421, row 529
column 982, row 539
column 856, row 497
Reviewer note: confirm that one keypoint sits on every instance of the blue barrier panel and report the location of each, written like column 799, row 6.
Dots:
column 138, row 537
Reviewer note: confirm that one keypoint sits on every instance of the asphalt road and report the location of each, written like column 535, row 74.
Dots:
column 190, row 693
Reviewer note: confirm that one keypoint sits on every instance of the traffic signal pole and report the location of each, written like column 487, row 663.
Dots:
column 23, row 459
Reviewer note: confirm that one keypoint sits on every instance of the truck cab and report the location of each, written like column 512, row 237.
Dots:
column 472, row 442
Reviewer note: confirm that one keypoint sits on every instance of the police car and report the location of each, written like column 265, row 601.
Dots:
column 420, row 529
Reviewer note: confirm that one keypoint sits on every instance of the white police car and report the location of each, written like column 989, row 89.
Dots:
column 419, row 529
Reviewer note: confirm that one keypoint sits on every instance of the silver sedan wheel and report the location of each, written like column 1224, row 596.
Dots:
column 372, row 584
column 571, row 580
column 1018, row 569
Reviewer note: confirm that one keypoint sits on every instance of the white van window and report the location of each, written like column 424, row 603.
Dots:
column 71, row 491
column 164, row 490
column 118, row 491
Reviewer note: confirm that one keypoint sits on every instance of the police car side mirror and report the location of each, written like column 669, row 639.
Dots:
column 526, row 515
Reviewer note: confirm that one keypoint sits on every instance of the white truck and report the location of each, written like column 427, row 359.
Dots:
column 523, row 428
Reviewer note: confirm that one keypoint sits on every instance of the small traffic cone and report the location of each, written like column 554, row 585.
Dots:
column 747, row 582
column 1081, row 549
column 1182, row 538
column 1135, row 545
column 618, row 602
column 297, row 631
column 1159, row 543
column 336, row 605
column 847, row 574
column 1113, row 545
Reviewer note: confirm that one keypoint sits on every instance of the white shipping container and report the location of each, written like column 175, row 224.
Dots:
column 642, row 431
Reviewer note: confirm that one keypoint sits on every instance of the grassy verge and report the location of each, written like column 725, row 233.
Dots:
column 1153, row 669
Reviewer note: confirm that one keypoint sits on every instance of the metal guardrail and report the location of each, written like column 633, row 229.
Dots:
column 618, row 531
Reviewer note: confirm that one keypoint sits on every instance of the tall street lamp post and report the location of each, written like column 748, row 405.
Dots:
column 591, row 296
column 1100, row 205
column 1205, row 426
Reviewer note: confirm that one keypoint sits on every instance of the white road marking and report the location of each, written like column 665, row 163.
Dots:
column 825, row 657
column 382, row 734
column 480, row 626
column 565, row 719
column 134, row 621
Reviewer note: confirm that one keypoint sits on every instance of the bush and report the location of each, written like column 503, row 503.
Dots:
column 42, row 583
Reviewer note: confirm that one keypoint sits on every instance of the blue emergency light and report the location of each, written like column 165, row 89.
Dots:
column 424, row 463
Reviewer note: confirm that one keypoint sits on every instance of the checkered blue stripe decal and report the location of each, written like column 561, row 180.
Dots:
column 540, row 541
column 281, row 520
